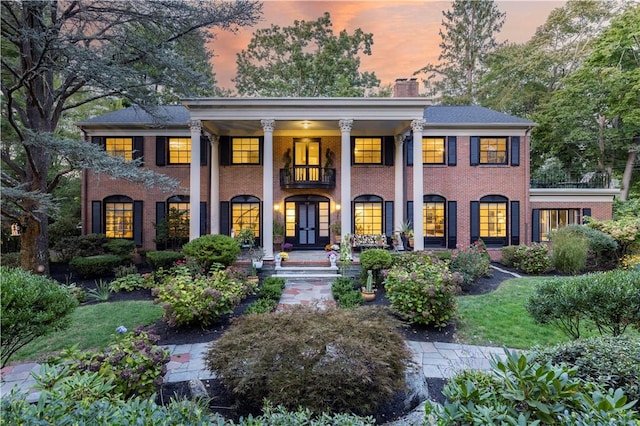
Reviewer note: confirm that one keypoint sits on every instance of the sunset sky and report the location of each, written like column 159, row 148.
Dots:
column 405, row 33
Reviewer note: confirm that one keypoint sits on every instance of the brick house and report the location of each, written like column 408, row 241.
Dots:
column 311, row 162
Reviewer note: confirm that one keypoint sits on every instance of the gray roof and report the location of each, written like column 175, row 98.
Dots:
column 167, row 115
column 470, row 114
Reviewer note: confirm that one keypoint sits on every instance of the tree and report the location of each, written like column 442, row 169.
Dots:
column 306, row 59
column 59, row 56
column 522, row 77
column 468, row 37
column 598, row 108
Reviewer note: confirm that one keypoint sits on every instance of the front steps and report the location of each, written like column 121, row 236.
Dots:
column 311, row 272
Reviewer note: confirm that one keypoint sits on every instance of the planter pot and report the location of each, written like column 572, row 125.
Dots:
column 257, row 264
column 253, row 279
column 368, row 296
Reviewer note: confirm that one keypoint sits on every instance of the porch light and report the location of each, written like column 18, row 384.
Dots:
column 337, row 206
column 306, row 124
column 276, row 207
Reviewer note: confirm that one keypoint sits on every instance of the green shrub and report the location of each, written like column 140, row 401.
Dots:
column 199, row 300
column 533, row 259
column 602, row 253
column 569, row 251
column 95, row 266
column 611, row 300
column 261, row 306
column 612, row 362
column 301, row 417
column 120, row 247
column 423, row 293
column 32, row 306
column 334, row 360
column 79, row 246
column 271, row 288
column 163, row 259
column 87, row 399
column 210, row 249
column 11, row 260
column 374, row 260
column 131, row 282
column 526, row 392
column 133, row 362
column 346, row 293
column 471, row 262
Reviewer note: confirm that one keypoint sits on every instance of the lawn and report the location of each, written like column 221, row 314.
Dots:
column 499, row 318
column 91, row 327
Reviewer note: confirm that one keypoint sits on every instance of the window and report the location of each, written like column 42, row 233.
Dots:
column 118, row 219
column 120, row 147
column 433, row 219
column 179, row 150
column 245, row 213
column 493, row 150
column 553, row 219
column 178, row 215
column 367, row 151
column 245, row 151
column 368, row 215
column 493, row 220
column 433, row 151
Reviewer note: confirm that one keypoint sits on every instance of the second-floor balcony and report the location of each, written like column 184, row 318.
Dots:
column 307, row 177
column 593, row 180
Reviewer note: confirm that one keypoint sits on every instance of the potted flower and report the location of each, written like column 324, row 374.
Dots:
column 332, row 255
column 287, row 247
column 368, row 292
column 283, row 255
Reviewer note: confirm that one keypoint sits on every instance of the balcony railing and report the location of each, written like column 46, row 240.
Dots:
column 307, row 177
column 594, row 180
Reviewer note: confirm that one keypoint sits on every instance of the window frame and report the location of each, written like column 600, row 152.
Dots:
column 437, row 201
column 370, row 201
column 232, row 151
column 125, row 154
column 426, row 152
column 170, row 151
column 543, row 234
column 483, row 153
column 255, row 220
column 370, row 151
column 110, row 221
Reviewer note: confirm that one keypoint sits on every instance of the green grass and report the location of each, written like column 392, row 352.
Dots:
column 92, row 327
column 499, row 318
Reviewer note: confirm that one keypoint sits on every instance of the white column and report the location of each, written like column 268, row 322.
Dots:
column 398, row 199
column 345, row 177
column 418, row 185
column 194, row 180
column 214, row 208
column 267, row 188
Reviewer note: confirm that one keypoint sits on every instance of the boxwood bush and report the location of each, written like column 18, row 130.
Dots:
column 331, row 360
column 210, row 249
column 163, row 259
column 95, row 266
column 32, row 306
column 612, row 362
column 346, row 293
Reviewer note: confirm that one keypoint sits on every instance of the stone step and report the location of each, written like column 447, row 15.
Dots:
column 306, row 269
column 306, row 276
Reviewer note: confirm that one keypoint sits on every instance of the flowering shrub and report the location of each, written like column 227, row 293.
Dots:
column 472, row 262
column 287, row 246
column 134, row 362
column 533, row 259
column 626, row 232
column 188, row 299
column 631, row 262
column 423, row 292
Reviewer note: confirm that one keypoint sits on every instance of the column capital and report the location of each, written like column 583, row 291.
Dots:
column 418, row 125
column 268, row 125
column 213, row 139
column 345, row 125
column 195, row 125
column 399, row 139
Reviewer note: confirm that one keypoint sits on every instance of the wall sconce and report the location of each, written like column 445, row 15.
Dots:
column 306, row 124
column 337, row 207
column 16, row 229
column 276, row 207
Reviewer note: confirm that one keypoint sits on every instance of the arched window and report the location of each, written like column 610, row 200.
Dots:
column 368, row 215
column 118, row 216
column 433, row 220
column 489, row 220
column 245, row 213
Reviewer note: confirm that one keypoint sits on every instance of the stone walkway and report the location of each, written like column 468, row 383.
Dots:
column 438, row 360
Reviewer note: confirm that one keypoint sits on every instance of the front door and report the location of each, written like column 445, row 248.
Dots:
column 307, row 221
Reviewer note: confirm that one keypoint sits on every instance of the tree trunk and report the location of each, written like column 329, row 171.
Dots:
column 34, row 249
column 628, row 172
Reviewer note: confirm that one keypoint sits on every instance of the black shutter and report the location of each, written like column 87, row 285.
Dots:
column 160, row 215
column 98, row 140
column 452, row 151
column 203, row 218
column 515, row 223
column 475, row 150
column 137, row 222
column 388, row 218
column 204, row 151
column 224, row 218
column 353, row 150
column 535, row 226
column 389, row 150
column 138, row 148
column 452, row 224
column 515, row 150
column 585, row 212
column 225, row 152
column 261, row 159
column 475, row 221
column 410, row 213
column 161, row 150
column 96, row 217
column 409, row 145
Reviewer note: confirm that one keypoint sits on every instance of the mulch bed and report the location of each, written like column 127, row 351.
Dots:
column 222, row 402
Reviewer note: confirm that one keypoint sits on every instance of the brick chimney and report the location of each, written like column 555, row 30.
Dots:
column 406, row 88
